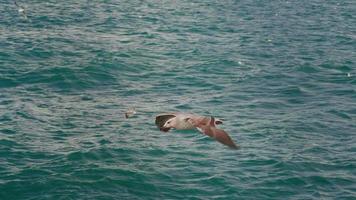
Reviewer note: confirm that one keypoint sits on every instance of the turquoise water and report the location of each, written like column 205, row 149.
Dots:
column 280, row 73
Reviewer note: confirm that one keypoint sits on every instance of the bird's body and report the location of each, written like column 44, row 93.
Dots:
column 179, row 121
column 130, row 112
column 21, row 10
column 183, row 121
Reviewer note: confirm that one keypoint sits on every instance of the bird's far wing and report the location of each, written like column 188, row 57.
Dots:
column 205, row 130
column 224, row 138
column 219, row 135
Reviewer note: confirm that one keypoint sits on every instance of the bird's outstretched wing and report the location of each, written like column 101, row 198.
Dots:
column 209, row 129
column 219, row 135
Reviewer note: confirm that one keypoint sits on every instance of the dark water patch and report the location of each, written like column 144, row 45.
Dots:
column 60, row 135
column 157, row 152
column 291, row 181
column 216, row 101
column 8, row 144
column 292, row 91
column 67, row 124
column 334, row 66
column 12, row 189
column 26, row 115
column 20, row 161
column 87, row 98
column 259, row 162
column 308, row 69
column 265, row 104
column 351, row 111
column 340, row 92
column 341, row 114
column 8, row 131
column 6, row 117
column 38, row 53
column 183, row 107
column 133, row 92
column 68, row 78
column 7, row 82
column 77, row 156
column 93, row 154
column 105, row 142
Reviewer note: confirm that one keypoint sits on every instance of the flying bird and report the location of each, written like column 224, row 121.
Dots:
column 130, row 112
column 186, row 121
column 21, row 10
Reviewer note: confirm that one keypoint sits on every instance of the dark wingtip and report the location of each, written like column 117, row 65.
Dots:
column 234, row 146
column 217, row 122
column 212, row 121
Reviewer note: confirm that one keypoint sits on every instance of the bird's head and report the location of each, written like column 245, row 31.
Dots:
column 169, row 124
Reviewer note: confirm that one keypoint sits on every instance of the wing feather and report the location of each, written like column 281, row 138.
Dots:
column 219, row 135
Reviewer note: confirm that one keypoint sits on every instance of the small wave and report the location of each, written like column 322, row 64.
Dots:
column 63, row 78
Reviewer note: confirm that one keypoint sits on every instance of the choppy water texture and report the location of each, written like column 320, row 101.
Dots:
column 280, row 73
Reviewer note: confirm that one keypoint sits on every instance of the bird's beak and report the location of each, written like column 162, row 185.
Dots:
column 164, row 129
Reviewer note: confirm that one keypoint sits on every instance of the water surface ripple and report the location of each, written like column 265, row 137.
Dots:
column 280, row 73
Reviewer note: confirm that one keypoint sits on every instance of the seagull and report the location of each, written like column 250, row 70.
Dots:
column 187, row 121
column 130, row 112
column 21, row 9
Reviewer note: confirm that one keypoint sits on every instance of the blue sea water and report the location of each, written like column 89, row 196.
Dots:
column 281, row 74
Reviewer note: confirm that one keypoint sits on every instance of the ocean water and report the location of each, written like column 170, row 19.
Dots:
column 281, row 74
